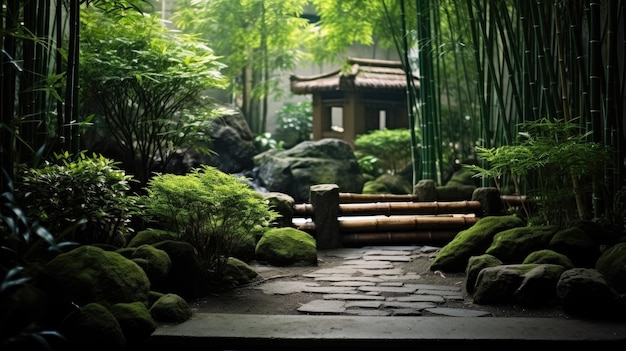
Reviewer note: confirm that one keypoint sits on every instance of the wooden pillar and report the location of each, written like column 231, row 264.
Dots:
column 321, row 117
column 353, row 118
column 325, row 201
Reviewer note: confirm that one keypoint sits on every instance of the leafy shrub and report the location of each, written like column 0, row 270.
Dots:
column 552, row 163
column 265, row 141
column 84, row 200
column 295, row 120
column 210, row 209
column 145, row 84
column 391, row 149
column 22, row 323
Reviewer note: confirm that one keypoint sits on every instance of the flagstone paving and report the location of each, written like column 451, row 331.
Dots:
column 368, row 283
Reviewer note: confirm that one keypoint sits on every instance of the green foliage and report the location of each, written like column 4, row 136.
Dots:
column 258, row 39
column 23, row 245
column 146, row 85
column 390, row 148
column 84, row 200
column 369, row 164
column 265, row 141
column 211, row 210
column 296, row 118
column 552, row 163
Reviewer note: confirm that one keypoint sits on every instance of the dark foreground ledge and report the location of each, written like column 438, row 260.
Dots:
column 209, row 331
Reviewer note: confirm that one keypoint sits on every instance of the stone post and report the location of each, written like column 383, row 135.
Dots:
column 325, row 201
column 490, row 201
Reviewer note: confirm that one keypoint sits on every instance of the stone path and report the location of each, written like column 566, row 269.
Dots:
column 369, row 283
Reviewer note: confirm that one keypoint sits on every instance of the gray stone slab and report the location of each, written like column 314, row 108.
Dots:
column 248, row 331
column 435, row 287
column 342, row 278
column 352, row 297
column 404, row 312
column 418, row 298
column 352, row 283
column 284, row 287
column 387, row 253
column 457, row 312
column 412, row 305
column 363, row 304
column 388, row 289
column 362, row 312
column 451, row 294
column 367, row 264
column 322, row 306
column 375, row 272
column 391, row 283
column 335, row 270
column 387, row 258
column 408, row 248
column 330, row 289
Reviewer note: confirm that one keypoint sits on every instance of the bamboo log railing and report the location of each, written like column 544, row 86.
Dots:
column 375, row 219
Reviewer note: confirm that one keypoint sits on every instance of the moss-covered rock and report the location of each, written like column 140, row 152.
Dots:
column 612, row 265
column 135, row 320
column 186, row 277
column 150, row 236
column 473, row 241
column 155, row 262
column 93, row 327
column 576, row 244
column 239, row 272
column 476, row 264
column 514, row 244
column 283, row 204
column 89, row 274
column 287, row 246
column 547, row 256
column 388, row 184
column 170, row 308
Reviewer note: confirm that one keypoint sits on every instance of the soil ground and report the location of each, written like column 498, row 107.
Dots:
column 249, row 299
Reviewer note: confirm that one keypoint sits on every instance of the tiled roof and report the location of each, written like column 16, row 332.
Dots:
column 364, row 74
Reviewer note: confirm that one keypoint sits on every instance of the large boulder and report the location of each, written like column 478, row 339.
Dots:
column 90, row 274
column 545, row 275
column 521, row 284
column 231, row 146
column 514, row 244
column 93, row 327
column 186, row 276
column 584, row 292
column 473, row 241
column 293, row 171
column 170, row 308
column 612, row 265
column 287, row 246
column 135, row 320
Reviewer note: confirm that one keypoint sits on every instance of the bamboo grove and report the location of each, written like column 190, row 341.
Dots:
column 487, row 68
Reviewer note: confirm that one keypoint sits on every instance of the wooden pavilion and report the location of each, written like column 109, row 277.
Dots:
column 370, row 95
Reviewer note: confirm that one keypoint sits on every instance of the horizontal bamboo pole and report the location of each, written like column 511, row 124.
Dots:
column 400, row 223
column 409, row 208
column 514, row 200
column 303, row 210
column 440, row 237
column 355, row 197
column 396, row 208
